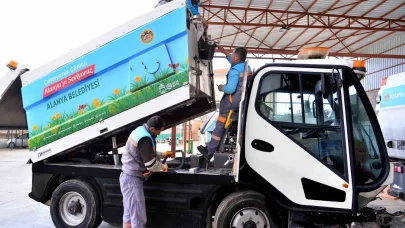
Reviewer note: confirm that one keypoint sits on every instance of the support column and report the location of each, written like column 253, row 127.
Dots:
column 173, row 148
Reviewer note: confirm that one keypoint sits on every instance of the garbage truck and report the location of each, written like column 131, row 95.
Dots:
column 295, row 152
column 390, row 103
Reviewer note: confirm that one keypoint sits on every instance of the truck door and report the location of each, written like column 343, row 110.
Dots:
column 303, row 136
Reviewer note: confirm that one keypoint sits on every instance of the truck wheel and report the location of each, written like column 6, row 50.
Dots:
column 243, row 210
column 74, row 204
column 11, row 145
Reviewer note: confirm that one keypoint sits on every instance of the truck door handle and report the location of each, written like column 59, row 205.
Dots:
column 262, row 145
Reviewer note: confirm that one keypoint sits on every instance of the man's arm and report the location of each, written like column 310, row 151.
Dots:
column 148, row 155
column 227, row 54
column 233, row 79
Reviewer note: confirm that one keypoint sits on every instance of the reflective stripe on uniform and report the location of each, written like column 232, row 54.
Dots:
column 214, row 137
column 221, row 119
column 150, row 163
column 133, row 142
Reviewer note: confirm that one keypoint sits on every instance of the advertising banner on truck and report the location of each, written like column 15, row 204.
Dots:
column 141, row 65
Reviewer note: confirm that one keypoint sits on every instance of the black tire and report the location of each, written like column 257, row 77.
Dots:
column 92, row 217
column 233, row 204
column 11, row 145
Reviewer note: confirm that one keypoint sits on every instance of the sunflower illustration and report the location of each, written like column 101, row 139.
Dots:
column 116, row 91
column 137, row 79
column 35, row 128
column 81, row 111
column 187, row 60
column 96, row 103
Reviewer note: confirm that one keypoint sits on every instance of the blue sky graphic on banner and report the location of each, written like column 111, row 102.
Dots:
column 142, row 56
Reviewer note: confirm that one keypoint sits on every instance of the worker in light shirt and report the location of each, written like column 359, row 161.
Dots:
column 139, row 159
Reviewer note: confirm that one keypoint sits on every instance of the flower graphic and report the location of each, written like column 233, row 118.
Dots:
column 35, row 128
column 81, row 111
column 129, row 91
column 96, row 103
column 116, row 91
column 187, row 60
column 57, row 116
column 137, row 78
column 111, row 109
column 54, row 130
column 176, row 71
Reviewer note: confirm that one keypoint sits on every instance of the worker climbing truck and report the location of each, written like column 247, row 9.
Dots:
column 295, row 152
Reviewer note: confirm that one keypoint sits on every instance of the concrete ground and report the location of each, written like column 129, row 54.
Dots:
column 19, row 211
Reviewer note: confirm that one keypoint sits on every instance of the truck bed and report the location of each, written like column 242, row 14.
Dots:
column 113, row 171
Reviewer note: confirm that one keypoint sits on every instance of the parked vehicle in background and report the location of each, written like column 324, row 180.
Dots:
column 391, row 109
column 208, row 128
column 19, row 141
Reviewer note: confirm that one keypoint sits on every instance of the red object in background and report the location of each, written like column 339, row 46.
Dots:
column 398, row 169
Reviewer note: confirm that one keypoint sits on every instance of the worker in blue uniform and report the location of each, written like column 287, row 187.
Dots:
column 231, row 98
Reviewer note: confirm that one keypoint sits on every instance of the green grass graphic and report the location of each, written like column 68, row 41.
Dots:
column 64, row 124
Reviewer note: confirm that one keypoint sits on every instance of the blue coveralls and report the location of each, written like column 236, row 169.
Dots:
column 229, row 101
column 131, row 180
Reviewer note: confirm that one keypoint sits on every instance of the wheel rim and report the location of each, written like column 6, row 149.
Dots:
column 72, row 208
column 250, row 218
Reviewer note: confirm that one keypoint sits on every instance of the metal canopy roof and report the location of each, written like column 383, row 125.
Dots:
column 284, row 27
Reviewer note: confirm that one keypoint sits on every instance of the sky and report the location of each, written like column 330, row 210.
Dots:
column 36, row 32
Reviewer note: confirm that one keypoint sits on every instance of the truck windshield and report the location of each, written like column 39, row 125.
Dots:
column 367, row 156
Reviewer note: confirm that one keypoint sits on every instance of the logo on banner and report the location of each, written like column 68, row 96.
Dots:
column 68, row 81
column 147, row 36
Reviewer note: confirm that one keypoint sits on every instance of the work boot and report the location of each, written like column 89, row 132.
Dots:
column 204, row 151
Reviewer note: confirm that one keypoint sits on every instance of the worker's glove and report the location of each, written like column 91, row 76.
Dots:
column 165, row 168
column 168, row 154
column 147, row 174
